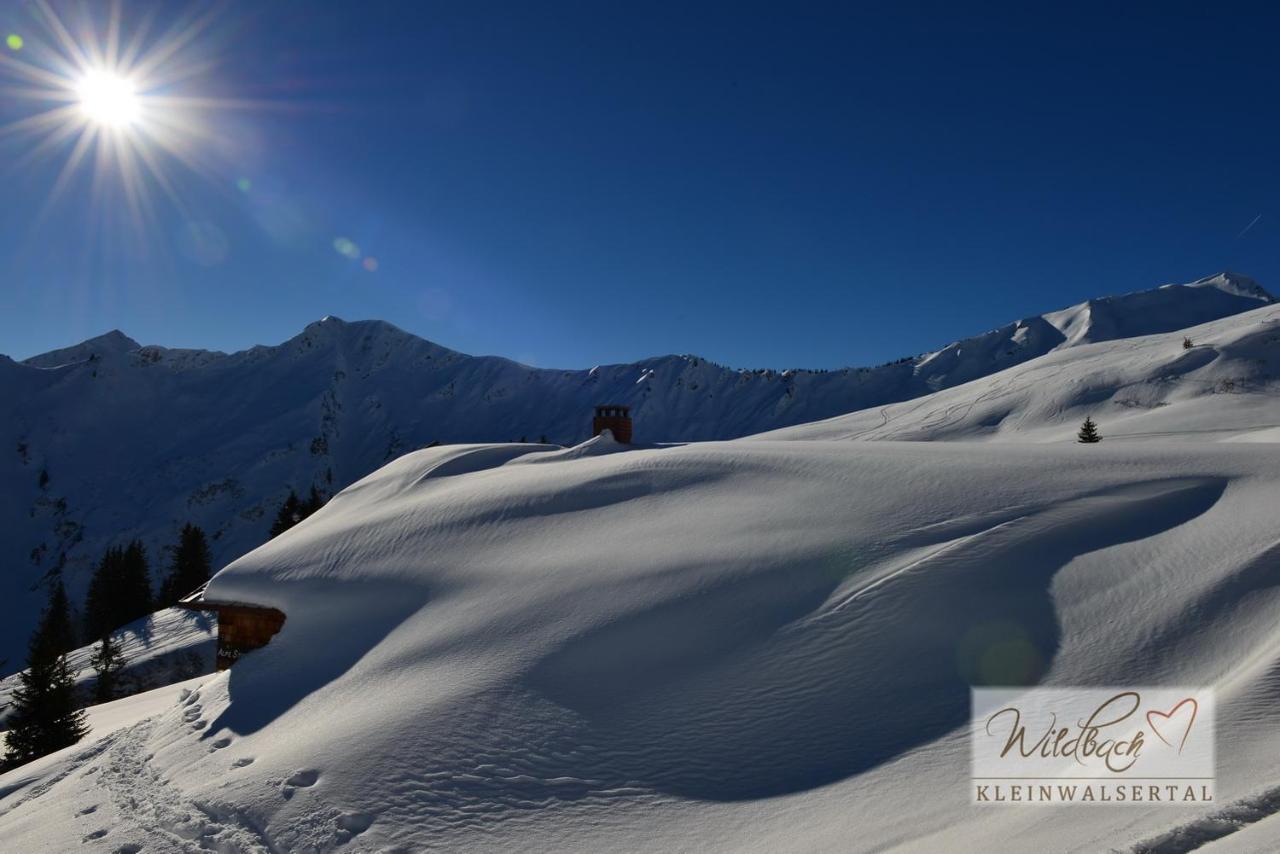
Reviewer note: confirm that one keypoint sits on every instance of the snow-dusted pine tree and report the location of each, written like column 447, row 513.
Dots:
column 1088, row 433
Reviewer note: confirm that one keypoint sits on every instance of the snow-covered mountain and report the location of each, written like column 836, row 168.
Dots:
column 1219, row 381
column 108, row 440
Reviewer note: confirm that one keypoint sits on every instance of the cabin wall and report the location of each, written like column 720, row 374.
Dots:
column 243, row 629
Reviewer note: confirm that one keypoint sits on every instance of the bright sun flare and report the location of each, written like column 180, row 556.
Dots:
column 107, row 99
column 120, row 103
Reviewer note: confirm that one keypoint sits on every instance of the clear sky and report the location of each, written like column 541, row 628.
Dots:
column 776, row 184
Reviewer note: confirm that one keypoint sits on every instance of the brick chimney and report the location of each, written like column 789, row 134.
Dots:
column 615, row 419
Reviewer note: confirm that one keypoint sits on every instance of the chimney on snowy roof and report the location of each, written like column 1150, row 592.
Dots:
column 616, row 419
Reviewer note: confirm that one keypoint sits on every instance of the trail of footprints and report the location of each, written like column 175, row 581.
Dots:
column 194, row 716
column 131, row 781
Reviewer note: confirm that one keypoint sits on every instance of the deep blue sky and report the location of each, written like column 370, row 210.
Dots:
column 765, row 185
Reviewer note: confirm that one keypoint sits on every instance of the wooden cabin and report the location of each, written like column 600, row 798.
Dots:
column 241, row 627
column 616, row 419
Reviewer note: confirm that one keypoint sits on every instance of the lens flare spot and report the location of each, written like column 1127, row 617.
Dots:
column 999, row 653
column 14, row 41
column 370, row 263
column 244, row 185
column 345, row 246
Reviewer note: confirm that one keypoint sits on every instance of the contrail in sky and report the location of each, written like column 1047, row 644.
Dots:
column 1249, row 226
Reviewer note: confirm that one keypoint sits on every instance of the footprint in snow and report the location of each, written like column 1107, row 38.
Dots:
column 128, row 849
column 219, row 744
column 303, row 779
column 240, row 763
column 88, row 810
column 97, row 834
column 355, row 823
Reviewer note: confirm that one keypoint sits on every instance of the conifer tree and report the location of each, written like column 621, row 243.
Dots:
column 314, row 502
column 136, row 601
column 99, row 605
column 290, row 514
column 190, row 567
column 45, row 717
column 59, row 632
column 1088, row 434
column 294, row 510
column 120, row 590
column 108, row 661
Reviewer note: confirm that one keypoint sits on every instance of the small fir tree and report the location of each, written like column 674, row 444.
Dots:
column 45, row 717
column 1186, row 344
column 1088, row 434
column 107, row 662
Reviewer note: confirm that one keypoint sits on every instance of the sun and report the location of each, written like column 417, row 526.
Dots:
column 127, row 104
column 108, row 99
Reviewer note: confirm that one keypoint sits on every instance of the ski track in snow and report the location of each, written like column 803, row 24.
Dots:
column 1221, row 823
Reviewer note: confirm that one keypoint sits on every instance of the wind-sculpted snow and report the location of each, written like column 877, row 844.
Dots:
column 707, row 712
column 733, row 646
column 108, row 440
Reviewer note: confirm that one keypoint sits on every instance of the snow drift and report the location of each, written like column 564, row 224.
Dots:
column 733, row 646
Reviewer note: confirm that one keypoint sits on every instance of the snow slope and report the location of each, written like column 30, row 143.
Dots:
column 168, row 642
column 732, row 646
column 1224, row 388
column 107, row 440
column 103, row 720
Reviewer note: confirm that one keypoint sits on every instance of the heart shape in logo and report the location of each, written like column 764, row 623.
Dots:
column 1167, row 717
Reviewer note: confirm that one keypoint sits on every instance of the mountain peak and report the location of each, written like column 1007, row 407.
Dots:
column 1234, row 283
column 107, row 344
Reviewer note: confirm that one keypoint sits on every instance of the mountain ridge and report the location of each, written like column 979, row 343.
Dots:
column 116, row 341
